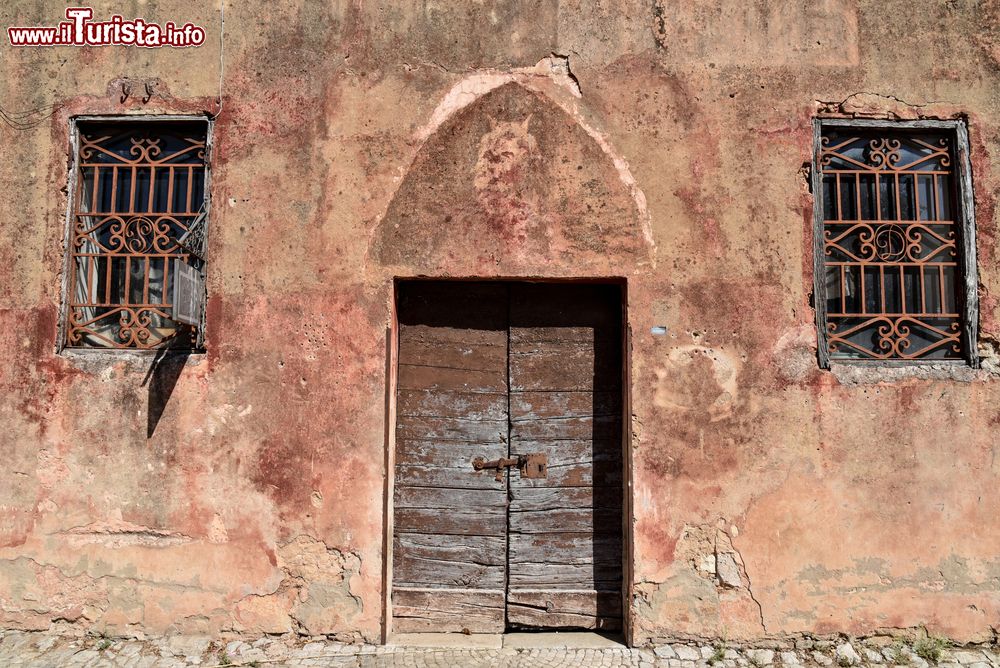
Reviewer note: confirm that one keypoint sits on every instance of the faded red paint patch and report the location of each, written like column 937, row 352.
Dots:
column 286, row 472
column 516, row 178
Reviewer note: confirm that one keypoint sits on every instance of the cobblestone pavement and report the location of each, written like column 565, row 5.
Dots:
column 19, row 649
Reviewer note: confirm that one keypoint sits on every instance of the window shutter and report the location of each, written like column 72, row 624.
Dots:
column 194, row 239
column 189, row 288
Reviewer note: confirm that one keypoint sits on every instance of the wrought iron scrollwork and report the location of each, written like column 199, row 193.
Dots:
column 140, row 192
column 890, row 247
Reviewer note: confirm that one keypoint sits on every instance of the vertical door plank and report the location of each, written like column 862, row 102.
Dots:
column 450, row 522
column 565, row 554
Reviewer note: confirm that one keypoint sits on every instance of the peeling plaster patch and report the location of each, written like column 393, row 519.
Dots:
column 117, row 533
column 680, row 362
column 217, row 530
column 728, row 570
column 708, row 592
column 876, row 105
column 554, row 69
column 873, row 373
column 38, row 594
column 323, row 577
column 952, row 574
column 767, row 32
column 475, row 86
column 795, row 353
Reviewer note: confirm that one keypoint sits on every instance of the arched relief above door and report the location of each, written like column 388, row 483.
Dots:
column 512, row 184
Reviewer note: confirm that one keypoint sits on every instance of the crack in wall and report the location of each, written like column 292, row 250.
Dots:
column 877, row 105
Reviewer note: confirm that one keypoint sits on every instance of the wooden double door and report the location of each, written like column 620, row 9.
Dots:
column 498, row 371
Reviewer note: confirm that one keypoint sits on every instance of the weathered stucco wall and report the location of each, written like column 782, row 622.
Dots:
column 664, row 142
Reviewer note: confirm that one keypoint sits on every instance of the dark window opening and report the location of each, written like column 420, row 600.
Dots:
column 137, row 235
column 892, row 244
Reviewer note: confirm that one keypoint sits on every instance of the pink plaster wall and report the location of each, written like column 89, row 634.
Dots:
column 349, row 149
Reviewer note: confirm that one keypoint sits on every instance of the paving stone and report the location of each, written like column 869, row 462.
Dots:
column 37, row 650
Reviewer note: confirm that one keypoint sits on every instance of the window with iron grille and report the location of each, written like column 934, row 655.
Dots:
column 895, row 254
column 138, row 218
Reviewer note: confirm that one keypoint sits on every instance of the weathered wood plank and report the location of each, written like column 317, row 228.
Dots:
column 525, row 338
column 447, row 610
column 476, row 562
column 447, row 454
column 579, row 450
column 568, row 548
column 432, row 335
column 444, row 498
column 575, row 475
column 416, row 377
column 607, row 429
column 559, row 498
column 564, row 576
column 434, row 476
column 547, row 405
column 410, row 572
column 424, row 428
column 440, row 403
column 464, row 354
column 482, row 521
column 564, row 609
column 478, row 549
column 574, row 520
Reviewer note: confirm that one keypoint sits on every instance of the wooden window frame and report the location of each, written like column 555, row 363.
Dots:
column 965, row 217
column 62, row 346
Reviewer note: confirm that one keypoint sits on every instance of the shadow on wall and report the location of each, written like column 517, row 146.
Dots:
column 160, row 381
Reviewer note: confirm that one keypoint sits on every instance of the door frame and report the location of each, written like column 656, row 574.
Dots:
column 391, row 373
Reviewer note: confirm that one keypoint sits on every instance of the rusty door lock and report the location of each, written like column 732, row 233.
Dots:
column 535, row 465
column 531, row 466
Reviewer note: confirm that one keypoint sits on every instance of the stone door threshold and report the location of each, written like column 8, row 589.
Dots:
column 538, row 640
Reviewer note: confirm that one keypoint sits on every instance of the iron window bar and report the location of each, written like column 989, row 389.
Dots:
column 894, row 244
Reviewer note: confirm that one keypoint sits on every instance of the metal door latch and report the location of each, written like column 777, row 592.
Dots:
column 534, row 465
